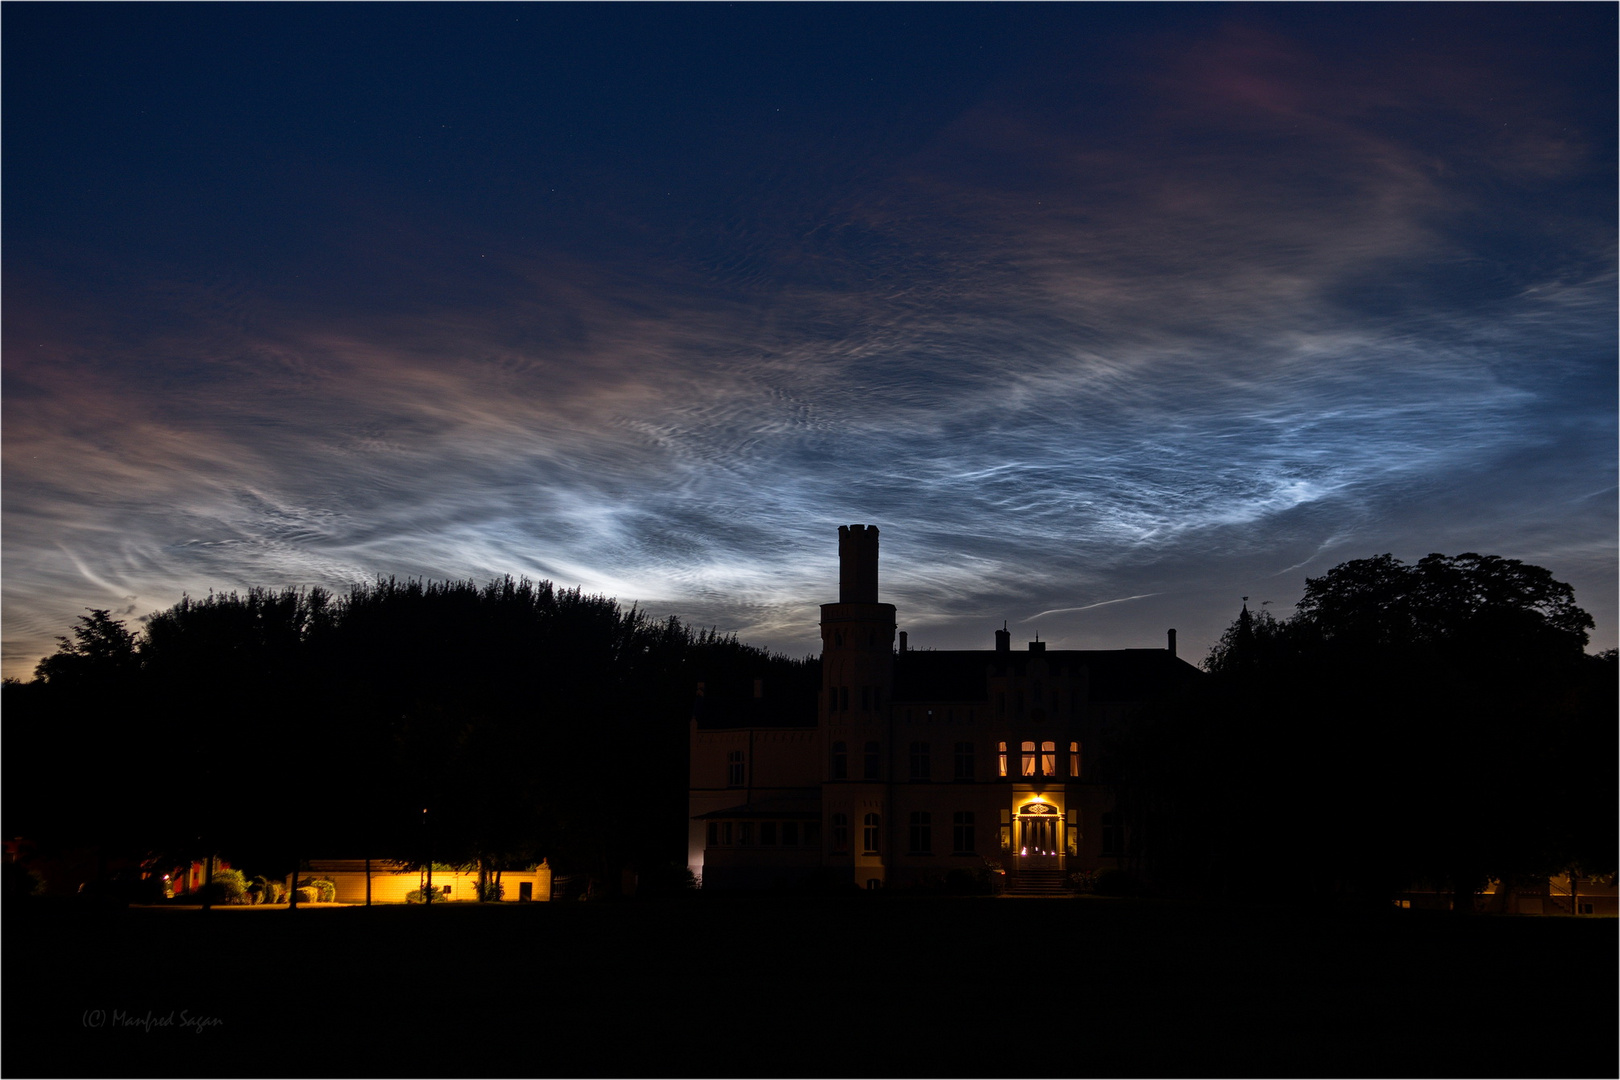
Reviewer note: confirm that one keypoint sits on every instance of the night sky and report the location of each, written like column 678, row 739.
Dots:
column 1107, row 316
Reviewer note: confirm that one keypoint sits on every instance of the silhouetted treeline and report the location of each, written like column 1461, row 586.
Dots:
column 1436, row 725
column 528, row 721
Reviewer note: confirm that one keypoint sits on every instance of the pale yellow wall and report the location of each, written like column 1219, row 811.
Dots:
column 390, row 886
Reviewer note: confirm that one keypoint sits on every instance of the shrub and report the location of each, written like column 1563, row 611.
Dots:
column 305, row 895
column 325, row 891
column 228, row 887
column 964, row 882
column 667, row 879
column 23, row 881
column 1116, row 883
column 274, row 892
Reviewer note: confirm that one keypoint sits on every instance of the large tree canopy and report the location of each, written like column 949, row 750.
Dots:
column 529, row 721
column 1437, row 722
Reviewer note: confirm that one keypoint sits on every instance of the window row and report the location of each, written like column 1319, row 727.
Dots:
column 920, row 754
column 1036, row 698
column 1045, row 760
column 919, row 833
column 764, row 834
column 838, row 698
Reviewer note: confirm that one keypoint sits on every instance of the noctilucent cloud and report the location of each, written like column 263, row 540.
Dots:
column 1106, row 315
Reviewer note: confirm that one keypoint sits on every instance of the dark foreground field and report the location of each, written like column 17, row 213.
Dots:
column 861, row 985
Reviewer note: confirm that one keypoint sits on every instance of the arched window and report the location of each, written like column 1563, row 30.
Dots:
column 1074, row 759
column 1001, row 758
column 872, row 768
column 734, row 768
column 1048, row 759
column 840, row 761
column 1026, row 758
column 840, row 832
column 921, row 767
column 872, row 834
column 922, row 832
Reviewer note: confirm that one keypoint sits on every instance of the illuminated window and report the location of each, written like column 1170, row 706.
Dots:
column 962, row 832
column 872, row 765
column 1048, row 759
column 734, row 768
column 920, row 767
column 745, row 832
column 872, row 834
column 840, row 761
column 767, row 832
column 1113, row 835
column 964, row 761
column 1074, row 759
column 922, row 832
column 790, row 834
column 840, row 832
column 1026, row 758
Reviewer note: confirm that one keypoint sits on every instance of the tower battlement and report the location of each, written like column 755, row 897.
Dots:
column 857, row 564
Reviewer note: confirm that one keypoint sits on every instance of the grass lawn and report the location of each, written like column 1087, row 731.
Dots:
column 865, row 985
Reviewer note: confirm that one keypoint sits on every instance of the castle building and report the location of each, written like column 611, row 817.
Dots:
column 917, row 763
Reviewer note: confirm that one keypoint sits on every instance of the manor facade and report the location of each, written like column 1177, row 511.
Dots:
column 917, row 763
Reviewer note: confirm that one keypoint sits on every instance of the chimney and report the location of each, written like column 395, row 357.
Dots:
column 857, row 564
column 1172, row 643
column 902, row 641
column 1037, row 646
column 1003, row 639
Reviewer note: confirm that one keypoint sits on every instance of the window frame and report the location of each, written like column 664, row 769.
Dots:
column 963, row 832
column 922, row 766
column 963, row 767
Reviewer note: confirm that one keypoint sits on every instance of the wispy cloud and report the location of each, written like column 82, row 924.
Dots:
column 1247, row 317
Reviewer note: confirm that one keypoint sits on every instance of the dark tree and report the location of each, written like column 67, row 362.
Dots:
column 1434, row 723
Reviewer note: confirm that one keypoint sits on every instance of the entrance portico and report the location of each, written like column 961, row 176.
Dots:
column 1041, row 832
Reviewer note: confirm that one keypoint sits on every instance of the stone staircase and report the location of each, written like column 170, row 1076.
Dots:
column 1046, row 881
